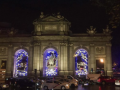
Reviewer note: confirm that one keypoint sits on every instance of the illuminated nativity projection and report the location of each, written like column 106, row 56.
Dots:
column 51, row 63
column 20, row 63
column 81, row 62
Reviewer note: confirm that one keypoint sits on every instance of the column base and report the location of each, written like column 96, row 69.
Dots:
column 65, row 72
column 32, row 74
column 109, row 73
column 9, row 74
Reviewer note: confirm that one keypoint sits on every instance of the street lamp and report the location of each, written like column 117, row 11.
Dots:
column 102, row 66
column 101, row 60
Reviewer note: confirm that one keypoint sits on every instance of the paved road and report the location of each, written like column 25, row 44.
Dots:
column 80, row 87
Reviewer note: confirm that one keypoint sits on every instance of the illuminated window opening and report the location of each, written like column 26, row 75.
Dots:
column 50, row 62
column 20, row 63
column 81, row 62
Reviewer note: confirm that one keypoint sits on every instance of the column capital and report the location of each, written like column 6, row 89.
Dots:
column 63, row 43
column 109, row 44
column 36, row 43
column 10, row 45
column 70, row 44
column 91, row 44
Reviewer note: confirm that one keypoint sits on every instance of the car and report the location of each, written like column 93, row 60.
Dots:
column 51, row 84
column 84, row 80
column 71, row 83
column 106, row 80
column 116, row 73
column 4, row 86
column 10, row 81
column 71, row 78
column 85, row 83
column 117, row 82
column 54, row 85
column 24, row 83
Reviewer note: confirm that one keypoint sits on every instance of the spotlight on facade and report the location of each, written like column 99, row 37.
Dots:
column 101, row 60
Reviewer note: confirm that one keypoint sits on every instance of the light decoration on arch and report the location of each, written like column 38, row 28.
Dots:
column 51, row 68
column 81, row 62
column 21, row 61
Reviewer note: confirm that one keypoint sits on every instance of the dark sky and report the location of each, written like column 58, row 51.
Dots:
column 21, row 14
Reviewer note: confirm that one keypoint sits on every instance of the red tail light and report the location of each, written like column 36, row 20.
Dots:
column 98, row 80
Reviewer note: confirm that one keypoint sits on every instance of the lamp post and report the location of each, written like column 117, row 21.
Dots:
column 102, row 61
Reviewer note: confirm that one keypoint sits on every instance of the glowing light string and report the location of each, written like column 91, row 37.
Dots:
column 81, row 62
column 51, row 68
column 21, row 63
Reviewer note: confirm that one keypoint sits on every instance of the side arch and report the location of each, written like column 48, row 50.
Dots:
column 20, row 63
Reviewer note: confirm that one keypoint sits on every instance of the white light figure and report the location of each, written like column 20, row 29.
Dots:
column 83, row 70
column 51, row 60
column 50, row 72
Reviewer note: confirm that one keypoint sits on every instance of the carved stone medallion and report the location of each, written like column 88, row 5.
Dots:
column 100, row 50
column 3, row 50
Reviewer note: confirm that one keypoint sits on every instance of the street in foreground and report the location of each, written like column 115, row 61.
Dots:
column 80, row 87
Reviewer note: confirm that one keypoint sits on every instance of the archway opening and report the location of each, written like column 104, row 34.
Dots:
column 81, row 62
column 20, row 63
column 50, row 62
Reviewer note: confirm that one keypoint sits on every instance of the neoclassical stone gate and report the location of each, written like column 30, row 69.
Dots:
column 53, row 32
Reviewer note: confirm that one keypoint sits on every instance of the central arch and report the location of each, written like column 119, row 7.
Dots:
column 50, row 62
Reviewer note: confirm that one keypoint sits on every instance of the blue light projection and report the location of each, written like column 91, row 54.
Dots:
column 20, row 63
column 81, row 62
column 51, row 67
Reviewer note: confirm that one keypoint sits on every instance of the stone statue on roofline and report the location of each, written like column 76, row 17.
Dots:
column 12, row 31
column 107, row 31
column 91, row 31
column 42, row 15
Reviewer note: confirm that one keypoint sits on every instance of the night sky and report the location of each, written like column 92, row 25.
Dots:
column 20, row 14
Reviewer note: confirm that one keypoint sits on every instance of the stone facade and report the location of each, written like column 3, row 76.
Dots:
column 53, row 32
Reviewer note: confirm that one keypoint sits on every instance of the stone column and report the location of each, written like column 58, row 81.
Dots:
column 91, row 62
column 65, row 58
column 41, row 61
column 9, row 66
column 71, row 60
column 36, row 54
column 108, row 59
column 30, row 61
column 61, row 72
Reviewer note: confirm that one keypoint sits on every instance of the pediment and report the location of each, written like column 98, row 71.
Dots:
column 51, row 19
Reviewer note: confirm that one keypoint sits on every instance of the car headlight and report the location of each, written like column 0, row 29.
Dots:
column 76, row 80
column 67, row 85
column 37, row 83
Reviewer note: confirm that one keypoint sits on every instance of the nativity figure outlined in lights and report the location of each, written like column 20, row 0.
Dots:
column 51, row 67
column 81, row 62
